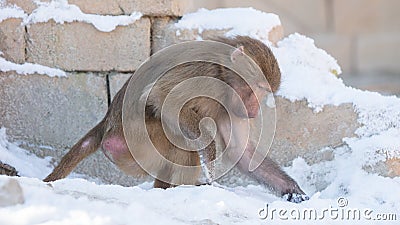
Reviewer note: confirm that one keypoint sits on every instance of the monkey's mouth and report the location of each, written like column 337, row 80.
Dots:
column 252, row 114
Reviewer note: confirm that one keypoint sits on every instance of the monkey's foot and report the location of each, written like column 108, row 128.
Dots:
column 295, row 198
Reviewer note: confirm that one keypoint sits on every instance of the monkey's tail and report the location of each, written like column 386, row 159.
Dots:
column 83, row 148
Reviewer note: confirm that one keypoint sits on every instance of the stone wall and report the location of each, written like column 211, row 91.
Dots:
column 48, row 115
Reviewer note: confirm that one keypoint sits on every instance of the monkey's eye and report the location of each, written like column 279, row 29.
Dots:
column 264, row 86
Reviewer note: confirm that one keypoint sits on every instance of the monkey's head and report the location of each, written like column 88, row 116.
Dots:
column 250, row 97
column 261, row 54
column 252, row 91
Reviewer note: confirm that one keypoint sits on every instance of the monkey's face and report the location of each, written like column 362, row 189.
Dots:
column 250, row 97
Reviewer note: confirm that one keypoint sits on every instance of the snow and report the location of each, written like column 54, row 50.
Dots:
column 62, row 12
column 7, row 12
column 239, row 21
column 27, row 164
column 29, row 68
column 308, row 73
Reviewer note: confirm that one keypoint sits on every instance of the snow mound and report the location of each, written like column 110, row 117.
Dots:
column 309, row 73
column 239, row 21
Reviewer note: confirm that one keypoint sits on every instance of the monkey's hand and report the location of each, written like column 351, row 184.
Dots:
column 295, row 197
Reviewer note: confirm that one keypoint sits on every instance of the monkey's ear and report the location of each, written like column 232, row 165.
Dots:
column 239, row 51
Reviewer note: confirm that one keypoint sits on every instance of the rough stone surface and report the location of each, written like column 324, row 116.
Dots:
column 51, row 111
column 12, row 42
column 306, row 136
column 387, row 168
column 117, row 7
column 81, row 47
column 27, row 5
column 393, row 165
column 116, row 82
column 49, row 115
column 8, row 170
column 10, row 193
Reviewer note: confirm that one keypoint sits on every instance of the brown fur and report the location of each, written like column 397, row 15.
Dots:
column 108, row 133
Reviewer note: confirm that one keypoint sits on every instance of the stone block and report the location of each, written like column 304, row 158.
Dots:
column 49, row 115
column 116, row 81
column 305, row 137
column 118, row 7
column 12, row 42
column 378, row 53
column 164, row 33
column 81, row 47
column 27, row 5
column 366, row 16
column 51, row 111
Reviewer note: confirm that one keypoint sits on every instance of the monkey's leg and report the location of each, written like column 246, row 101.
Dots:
column 83, row 148
column 161, row 184
column 170, row 175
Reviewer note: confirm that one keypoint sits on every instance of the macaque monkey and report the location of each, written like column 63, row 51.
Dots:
column 109, row 136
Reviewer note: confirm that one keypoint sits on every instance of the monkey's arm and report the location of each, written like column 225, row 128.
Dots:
column 268, row 173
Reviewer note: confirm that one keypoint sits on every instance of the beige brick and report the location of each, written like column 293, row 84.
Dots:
column 51, row 111
column 81, row 47
column 116, row 82
column 12, row 42
column 306, row 137
column 27, row 5
column 162, row 33
column 366, row 16
column 340, row 47
column 378, row 53
column 102, row 7
column 165, row 34
column 51, row 114
column 117, row 7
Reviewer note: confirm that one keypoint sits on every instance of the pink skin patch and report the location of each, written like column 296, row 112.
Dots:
column 86, row 143
column 115, row 145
